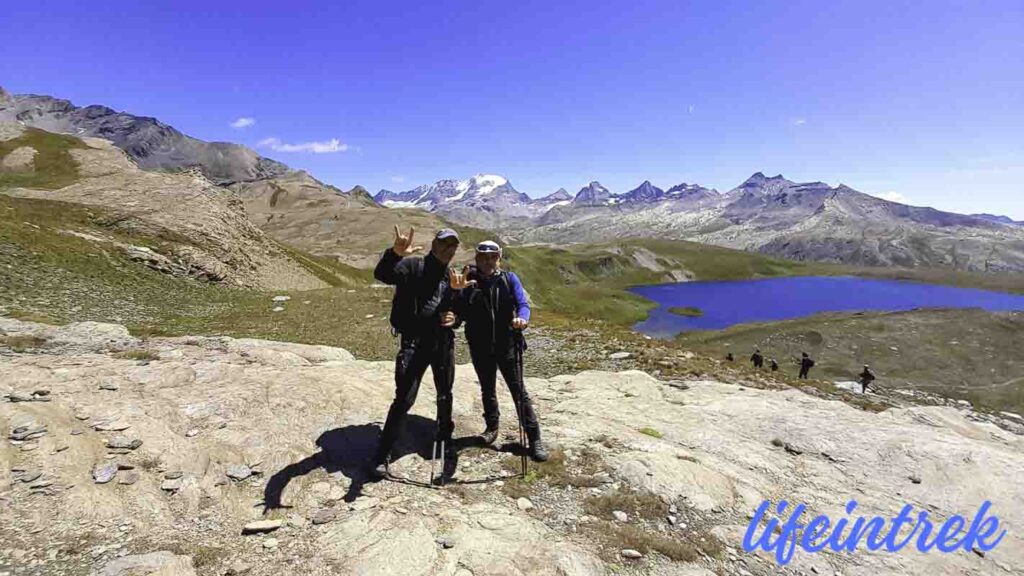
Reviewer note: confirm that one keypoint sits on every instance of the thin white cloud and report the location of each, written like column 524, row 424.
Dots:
column 243, row 122
column 893, row 196
column 691, row 109
column 398, row 179
column 325, row 147
column 799, row 122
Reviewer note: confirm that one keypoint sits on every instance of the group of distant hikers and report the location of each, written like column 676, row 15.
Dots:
column 806, row 363
column 431, row 300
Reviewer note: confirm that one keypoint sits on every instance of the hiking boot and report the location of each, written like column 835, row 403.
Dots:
column 380, row 471
column 489, row 436
column 538, row 451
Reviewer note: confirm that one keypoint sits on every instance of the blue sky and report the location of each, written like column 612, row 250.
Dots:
column 921, row 99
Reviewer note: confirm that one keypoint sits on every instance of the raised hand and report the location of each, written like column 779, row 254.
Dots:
column 458, row 280
column 448, row 319
column 403, row 244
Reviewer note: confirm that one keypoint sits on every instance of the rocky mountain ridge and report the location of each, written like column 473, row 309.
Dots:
column 772, row 215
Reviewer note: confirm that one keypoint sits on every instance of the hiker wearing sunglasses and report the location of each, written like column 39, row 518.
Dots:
column 495, row 309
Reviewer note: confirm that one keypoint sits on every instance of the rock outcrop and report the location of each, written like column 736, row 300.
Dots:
column 684, row 467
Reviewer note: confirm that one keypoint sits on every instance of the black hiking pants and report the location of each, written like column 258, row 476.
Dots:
column 416, row 352
column 487, row 364
column 803, row 372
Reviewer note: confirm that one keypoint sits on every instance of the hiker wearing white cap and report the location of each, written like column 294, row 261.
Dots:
column 422, row 296
column 496, row 309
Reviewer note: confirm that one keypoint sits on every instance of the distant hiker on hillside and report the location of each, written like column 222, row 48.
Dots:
column 805, row 365
column 422, row 296
column 729, row 357
column 774, row 365
column 496, row 309
column 866, row 378
column 757, row 359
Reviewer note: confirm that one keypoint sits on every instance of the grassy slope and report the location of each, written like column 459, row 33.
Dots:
column 967, row 354
column 54, row 167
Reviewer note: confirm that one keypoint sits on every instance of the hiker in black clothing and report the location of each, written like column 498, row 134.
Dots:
column 866, row 378
column 757, row 359
column 805, row 365
column 495, row 308
column 729, row 357
column 422, row 296
column 774, row 365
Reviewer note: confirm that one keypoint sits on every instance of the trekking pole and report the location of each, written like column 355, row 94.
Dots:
column 522, row 391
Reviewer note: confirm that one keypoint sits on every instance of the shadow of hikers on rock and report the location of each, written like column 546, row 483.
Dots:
column 349, row 450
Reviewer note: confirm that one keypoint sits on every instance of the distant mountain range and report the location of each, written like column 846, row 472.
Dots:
column 151, row 143
column 772, row 215
column 805, row 221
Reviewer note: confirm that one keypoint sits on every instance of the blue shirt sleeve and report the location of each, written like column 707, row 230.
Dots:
column 522, row 303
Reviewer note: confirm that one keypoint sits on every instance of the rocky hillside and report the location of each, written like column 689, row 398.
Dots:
column 151, row 143
column 193, row 227
column 803, row 221
column 204, row 455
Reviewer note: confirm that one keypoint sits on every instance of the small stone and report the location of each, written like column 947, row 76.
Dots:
column 978, row 551
column 499, row 483
column 104, row 473
column 446, row 543
column 60, row 448
column 524, row 504
column 173, row 475
column 631, row 554
column 23, row 433
column 915, row 478
column 112, row 386
column 619, row 356
column 28, row 476
column 363, row 504
column 111, row 426
column 270, row 543
column 281, row 298
column 238, row 568
column 171, row 485
column 323, row 516
column 620, row 516
column 191, row 433
column 20, row 397
column 277, row 309
column 673, row 509
column 129, row 478
column 672, row 520
column 122, row 443
column 82, row 415
column 29, row 447
column 76, row 432
column 261, row 526
column 124, row 466
column 368, row 316
column 238, row 472
column 401, row 511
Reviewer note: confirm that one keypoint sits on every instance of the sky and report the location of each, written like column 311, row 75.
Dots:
column 921, row 102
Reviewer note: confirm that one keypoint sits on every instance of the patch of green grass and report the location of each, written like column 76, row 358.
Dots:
column 634, row 503
column 21, row 343
column 689, row 311
column 53, row 165
column 681, row 548
column 136, row 355
column 651, row 432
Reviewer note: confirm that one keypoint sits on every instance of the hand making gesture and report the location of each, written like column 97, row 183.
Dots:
column 458, row 280
column 403, row 244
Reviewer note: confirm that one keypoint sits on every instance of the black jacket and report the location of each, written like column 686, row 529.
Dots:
column 488, row 308
column 422, row 293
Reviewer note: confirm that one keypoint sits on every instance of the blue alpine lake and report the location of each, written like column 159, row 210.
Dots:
column 728, row 303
